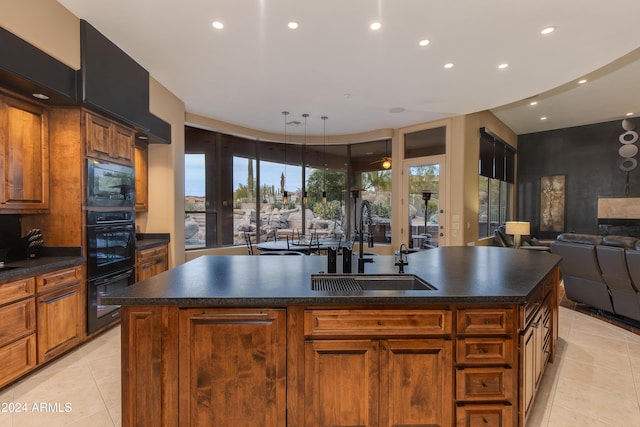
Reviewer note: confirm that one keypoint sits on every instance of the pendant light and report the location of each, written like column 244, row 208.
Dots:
column 305, row 199
column 324, row 177
column 285, row 193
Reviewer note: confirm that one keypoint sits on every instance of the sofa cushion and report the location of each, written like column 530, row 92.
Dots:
column 620, row 241
column 587, row 239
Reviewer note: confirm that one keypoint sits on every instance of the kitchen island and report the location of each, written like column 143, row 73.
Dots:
column 244, row 340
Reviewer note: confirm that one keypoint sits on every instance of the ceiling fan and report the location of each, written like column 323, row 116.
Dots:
column 385, row 161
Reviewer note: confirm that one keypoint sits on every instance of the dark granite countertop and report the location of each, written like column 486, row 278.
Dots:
column 149, row 240
column 459, row 274
column 32, row 267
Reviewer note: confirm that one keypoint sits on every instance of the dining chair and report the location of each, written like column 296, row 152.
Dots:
column 247, row 240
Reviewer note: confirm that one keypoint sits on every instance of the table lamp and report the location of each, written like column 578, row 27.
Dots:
column 517, row 228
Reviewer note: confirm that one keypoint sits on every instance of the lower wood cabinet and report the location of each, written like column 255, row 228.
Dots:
column 151, row 261
column 378, row 382
column 536, row 350
column 18, row 358
column 59, row 322
column 40, row 318
column 464, row 365
column 486, row 360
column 17, row 335
column 233, row 372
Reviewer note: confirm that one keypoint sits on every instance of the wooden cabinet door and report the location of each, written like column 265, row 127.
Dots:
column 108, row 140
column 17, row 358
column 122, row 144
column 149, row 269
column 529, row 371
column 18, row 320
column 234, row 369
column 97, row 136
column 24, row 156
column 59, row 322
column 142, row 177
column 341, row 383
column 416, row 382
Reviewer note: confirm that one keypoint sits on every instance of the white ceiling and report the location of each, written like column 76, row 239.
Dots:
column 334, row 65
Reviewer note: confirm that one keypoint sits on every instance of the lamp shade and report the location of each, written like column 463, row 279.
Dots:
column 520, row 228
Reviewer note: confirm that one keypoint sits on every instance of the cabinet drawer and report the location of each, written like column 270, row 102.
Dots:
column 377, row 322
column 58, row 278
column 480, row 351
column 484, row 416
column 18, row 320
column 19, row 289
column 17, row 358
column 497, row 321
column 156, row 251
column 484, row 384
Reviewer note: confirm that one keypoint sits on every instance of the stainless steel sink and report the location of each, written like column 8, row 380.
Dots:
column 368, row 282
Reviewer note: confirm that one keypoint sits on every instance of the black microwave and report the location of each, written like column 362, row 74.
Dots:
column 110, row 184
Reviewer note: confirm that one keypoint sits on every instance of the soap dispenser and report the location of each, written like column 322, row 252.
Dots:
column 332, row 259
column 347, row 259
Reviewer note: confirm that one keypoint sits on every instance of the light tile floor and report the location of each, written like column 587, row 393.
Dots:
column 595, row 381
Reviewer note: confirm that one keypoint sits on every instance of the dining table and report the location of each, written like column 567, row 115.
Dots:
column 303, row 245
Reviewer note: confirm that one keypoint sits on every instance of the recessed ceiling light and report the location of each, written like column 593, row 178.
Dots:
column 548, row 30
column 543, row 118
column 40, row 96
column 503, row 66
column 581, row 82
column 217, row 25
column 448, row 65
column 630, row 114
column 375, row 26
column 293, row 25
column 532, row 103
column 423, row 42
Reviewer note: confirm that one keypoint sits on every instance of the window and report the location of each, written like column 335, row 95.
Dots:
column 195, row 201
column 235, row 186
column 497, row 171
column 200, row 212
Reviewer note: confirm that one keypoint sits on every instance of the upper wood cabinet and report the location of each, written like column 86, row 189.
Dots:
column 24, row 156
column 108, row 140
column 141, row 161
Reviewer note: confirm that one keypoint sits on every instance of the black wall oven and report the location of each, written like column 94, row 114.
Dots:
column 110, row 261
column 100, row 315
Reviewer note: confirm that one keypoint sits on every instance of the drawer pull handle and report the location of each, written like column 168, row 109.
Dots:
column 487, row 321
column 484, row 385
column 484, row 420
column 485, row 351
column 379, row 323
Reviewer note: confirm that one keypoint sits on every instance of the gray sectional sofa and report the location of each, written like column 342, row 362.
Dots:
column 601, row 271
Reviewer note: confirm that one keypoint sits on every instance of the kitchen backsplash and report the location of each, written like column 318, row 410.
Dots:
column 10, row 230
